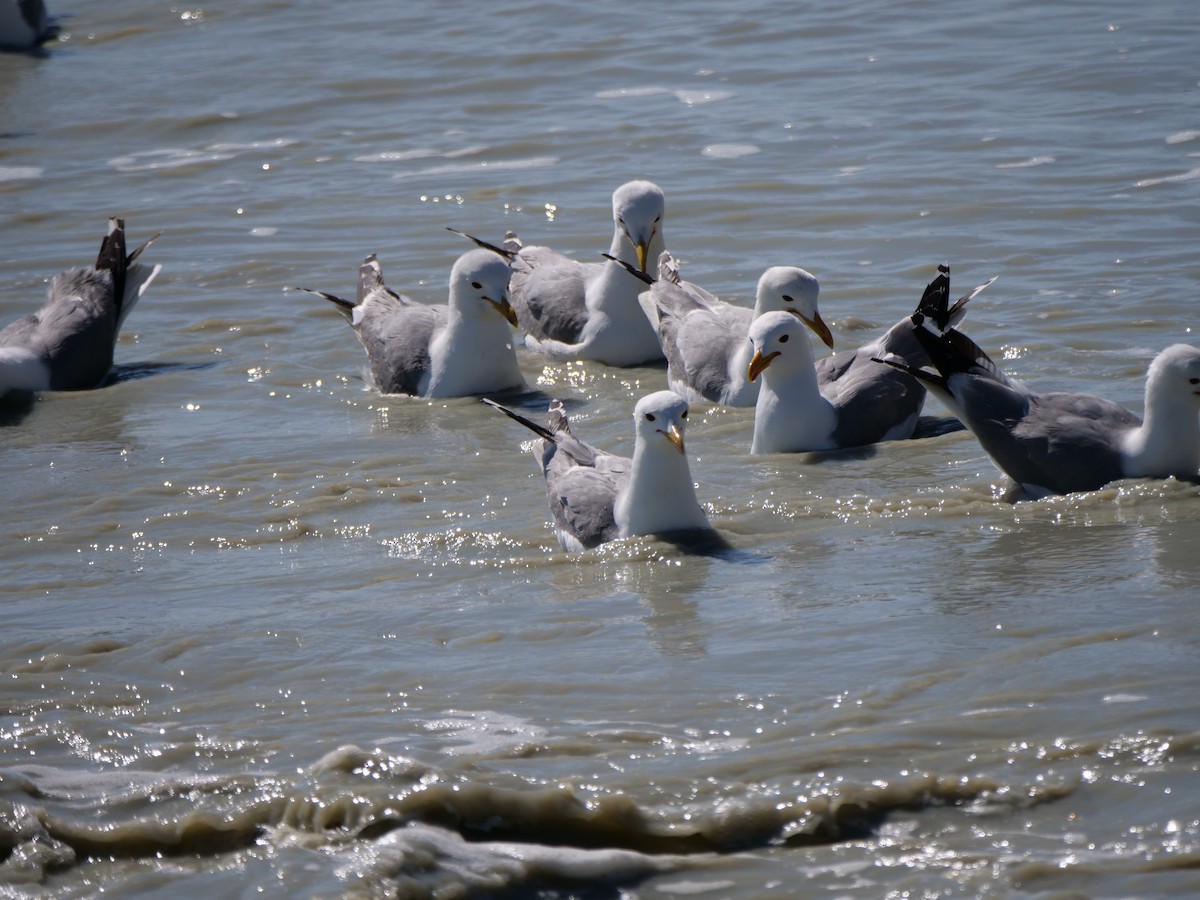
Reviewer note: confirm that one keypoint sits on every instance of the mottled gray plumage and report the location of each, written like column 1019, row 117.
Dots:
column 595, row 496
column 447, row 350
column 705, row 339
column 68, row 344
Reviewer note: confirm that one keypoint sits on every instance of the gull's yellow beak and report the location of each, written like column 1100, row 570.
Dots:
column 758, row 363
column 505, row 309
column 642, row 250
column 818, row 326
column 674, row 435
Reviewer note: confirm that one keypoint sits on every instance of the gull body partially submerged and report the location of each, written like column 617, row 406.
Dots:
column 68, row 344
column 847, row 399
column 573, row 310
column 595, row 496
column 706, row 340
column 1061, row 442
column 459, row 348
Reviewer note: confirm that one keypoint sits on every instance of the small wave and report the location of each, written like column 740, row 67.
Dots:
column 1191, row 175
column 699, row 98
column 1182, row 137
column 177, row 157
column 1027, row 163
column 508, row 165
column 617, row 93
column 729, row 151
column 420, row 153
column 18, row 173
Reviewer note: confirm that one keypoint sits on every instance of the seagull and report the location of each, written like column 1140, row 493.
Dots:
column 68, row 344
column 847, row 399
column 597, row 497
column 24, row 24
column 571, row 310
column 1060, row 442
column 851, row 380
column 705, row 339
column 456, row 350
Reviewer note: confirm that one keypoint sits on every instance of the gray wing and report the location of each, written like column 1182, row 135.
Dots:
column 1058, row 441
column 548, row 292
column 396, row 338
column 874, row 402
column 696, row 339
column 581, row 487
column 74, row 332
column 581, row 501
column 1068, row 442
column 698, row 353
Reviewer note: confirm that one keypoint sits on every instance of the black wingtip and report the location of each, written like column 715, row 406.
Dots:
column 510, row 255
column 344, row 306
column 934, row 304
column 925, row 375
column 112, row 249
column 540, row 430
column 632, row 270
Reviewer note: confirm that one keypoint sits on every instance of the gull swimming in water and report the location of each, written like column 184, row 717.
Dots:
column 67, row 345
column 1060, row 442
column 705, row 339
column 24, row 24
column 597, row 497
column 847, row 399
column 851, row 379
column 452, row 350
column 573, row 310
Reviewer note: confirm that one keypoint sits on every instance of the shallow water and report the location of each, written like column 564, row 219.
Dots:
column 268, row 632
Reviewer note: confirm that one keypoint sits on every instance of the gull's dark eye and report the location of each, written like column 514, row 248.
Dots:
column 1194, row 381
column 477, row 285
column 787, row 299
column 657, row 219
column 783, row 338
column 683, row 415
column 649, row 417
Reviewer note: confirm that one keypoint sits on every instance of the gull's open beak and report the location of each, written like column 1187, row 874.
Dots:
column 505, row 309
column 674, row 435
column 818, row 326
column 758, row 363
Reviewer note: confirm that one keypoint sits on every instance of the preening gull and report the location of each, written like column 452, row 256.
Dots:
column 67, row 345
column 573, row 310
column 596, row 496
column 705, row 339
column 24, row 24
column 843, row 400
column 1060, row 442
column 461, row 348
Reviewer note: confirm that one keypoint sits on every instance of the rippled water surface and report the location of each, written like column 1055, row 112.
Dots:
column 267, row 632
